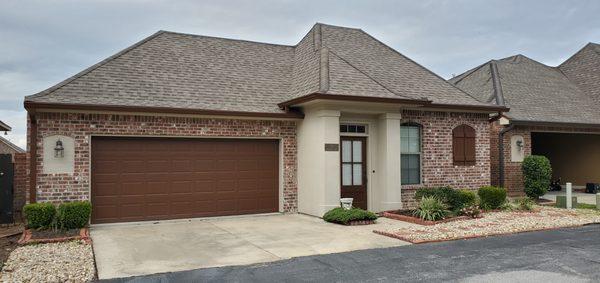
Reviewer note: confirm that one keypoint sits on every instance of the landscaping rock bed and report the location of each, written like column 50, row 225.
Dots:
column 53, row 236
column 407, row 216
column 496, row 223
column 55, row 262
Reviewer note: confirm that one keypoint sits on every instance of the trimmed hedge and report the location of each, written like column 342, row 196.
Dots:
column 447, row 195
column 344, row 216
column 39, row 215
column 466, row 198
column 72, row 215
column 491, row 197
column 537, row 173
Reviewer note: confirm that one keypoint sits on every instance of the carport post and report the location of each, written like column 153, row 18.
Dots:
column 569, row 194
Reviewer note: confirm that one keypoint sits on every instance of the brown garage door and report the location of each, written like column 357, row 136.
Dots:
column 137, row 179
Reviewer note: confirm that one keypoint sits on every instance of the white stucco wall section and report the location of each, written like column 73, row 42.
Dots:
column 388, row 160
column 318, row 170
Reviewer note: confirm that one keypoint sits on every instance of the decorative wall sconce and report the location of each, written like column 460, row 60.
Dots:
column 59, row 150
column 520, row 145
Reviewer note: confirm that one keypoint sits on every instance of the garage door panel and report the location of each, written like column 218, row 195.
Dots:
column 135, row 179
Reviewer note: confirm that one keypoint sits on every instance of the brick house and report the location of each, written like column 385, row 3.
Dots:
column 181, row 126
column 554, row 111
column 18, row 162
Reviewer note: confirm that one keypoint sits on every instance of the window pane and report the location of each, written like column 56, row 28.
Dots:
column 352, row 128
column 411, row 169
column 346, row 151
column 404, row 131
column 414, row 145
column 343, row 128
column 403, row 143
column 357, row 176
column 413, row 132
column 346, row 175
column 357, row 151
column 361, row 129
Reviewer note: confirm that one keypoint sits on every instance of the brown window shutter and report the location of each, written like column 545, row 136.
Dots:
column 463, row 145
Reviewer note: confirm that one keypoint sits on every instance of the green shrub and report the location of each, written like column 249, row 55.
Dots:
column 525, row 204
column 39, row 215
column 72, row 215
column 344, row 216
column 466, row 198
column 491, row 197
column 537, row 174
column 431, row 209
column 447, row 195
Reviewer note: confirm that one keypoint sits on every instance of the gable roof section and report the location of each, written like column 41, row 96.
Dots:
column 583, row 68
column 11, row 145
column 533, row 91
column 182, row 73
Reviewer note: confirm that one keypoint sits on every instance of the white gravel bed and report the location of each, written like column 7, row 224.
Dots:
column 55, row 262
column 494, row 223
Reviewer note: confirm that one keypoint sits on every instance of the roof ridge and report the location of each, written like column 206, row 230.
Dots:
column 225, row 38
column 95, row 66
column 467, row 73
column 496, row 83
column 11, row 145
column 579, row 51
column 421, row 66
column 367, row 75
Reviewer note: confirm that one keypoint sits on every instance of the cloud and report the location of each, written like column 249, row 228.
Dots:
column 44, row 42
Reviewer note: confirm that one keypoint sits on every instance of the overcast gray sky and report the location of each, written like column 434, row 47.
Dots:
column 44, row 42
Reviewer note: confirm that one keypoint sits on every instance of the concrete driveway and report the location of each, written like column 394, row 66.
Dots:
column 124, row 250
column 581, row 197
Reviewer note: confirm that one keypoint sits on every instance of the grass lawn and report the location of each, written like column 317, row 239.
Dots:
column 586, row 206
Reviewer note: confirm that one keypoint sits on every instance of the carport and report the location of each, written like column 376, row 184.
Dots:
column 575, row 157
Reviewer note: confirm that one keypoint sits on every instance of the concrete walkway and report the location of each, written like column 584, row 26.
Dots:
column 581, row 197
column 147, row 248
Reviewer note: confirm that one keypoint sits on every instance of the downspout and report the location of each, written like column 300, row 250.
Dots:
column 32, row 158
column 501, row 153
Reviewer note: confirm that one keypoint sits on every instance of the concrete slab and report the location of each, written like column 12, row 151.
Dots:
column 155, row 247
column 581, row 197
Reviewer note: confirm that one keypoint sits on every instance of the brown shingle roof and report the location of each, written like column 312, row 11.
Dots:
column 536, row 92
column 191, row 72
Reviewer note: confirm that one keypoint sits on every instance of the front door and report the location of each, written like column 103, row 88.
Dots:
column 354, row 170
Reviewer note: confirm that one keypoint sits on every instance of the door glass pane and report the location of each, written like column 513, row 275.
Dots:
column 357, row 176
column 357, row 151
column 346, row 151
column 346, row 175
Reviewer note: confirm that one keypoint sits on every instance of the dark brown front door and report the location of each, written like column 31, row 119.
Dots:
column 137, row 179
column 354, row 170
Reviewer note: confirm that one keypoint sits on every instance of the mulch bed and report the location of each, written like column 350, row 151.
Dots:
column 7, row 245
column 407, row 216
column 31, row 236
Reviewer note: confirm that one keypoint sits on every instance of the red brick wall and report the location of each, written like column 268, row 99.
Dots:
column 437, row 168
column 65, row 187
column 20, row 180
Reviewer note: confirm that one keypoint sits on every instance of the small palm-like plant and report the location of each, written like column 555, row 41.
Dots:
column 431, row 209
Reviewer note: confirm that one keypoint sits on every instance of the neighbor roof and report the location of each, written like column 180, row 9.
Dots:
column 190, row 72
column 535, row 92
column 4, row 127
column 11, row 145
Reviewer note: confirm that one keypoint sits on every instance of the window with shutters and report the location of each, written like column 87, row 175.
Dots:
column 463, row 145
column 410, row 153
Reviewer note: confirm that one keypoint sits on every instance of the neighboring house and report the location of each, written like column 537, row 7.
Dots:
column 554, row 111
column 18, row 162
column 180, row 126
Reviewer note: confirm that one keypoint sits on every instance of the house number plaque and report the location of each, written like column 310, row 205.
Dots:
column 332, row 147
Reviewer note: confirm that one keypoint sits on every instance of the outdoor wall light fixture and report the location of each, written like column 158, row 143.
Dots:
column 520, row 145
column 59, row 150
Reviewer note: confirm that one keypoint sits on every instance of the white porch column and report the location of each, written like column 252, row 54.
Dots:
column 388, row 160
column 318, row 169
column 330, row 120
